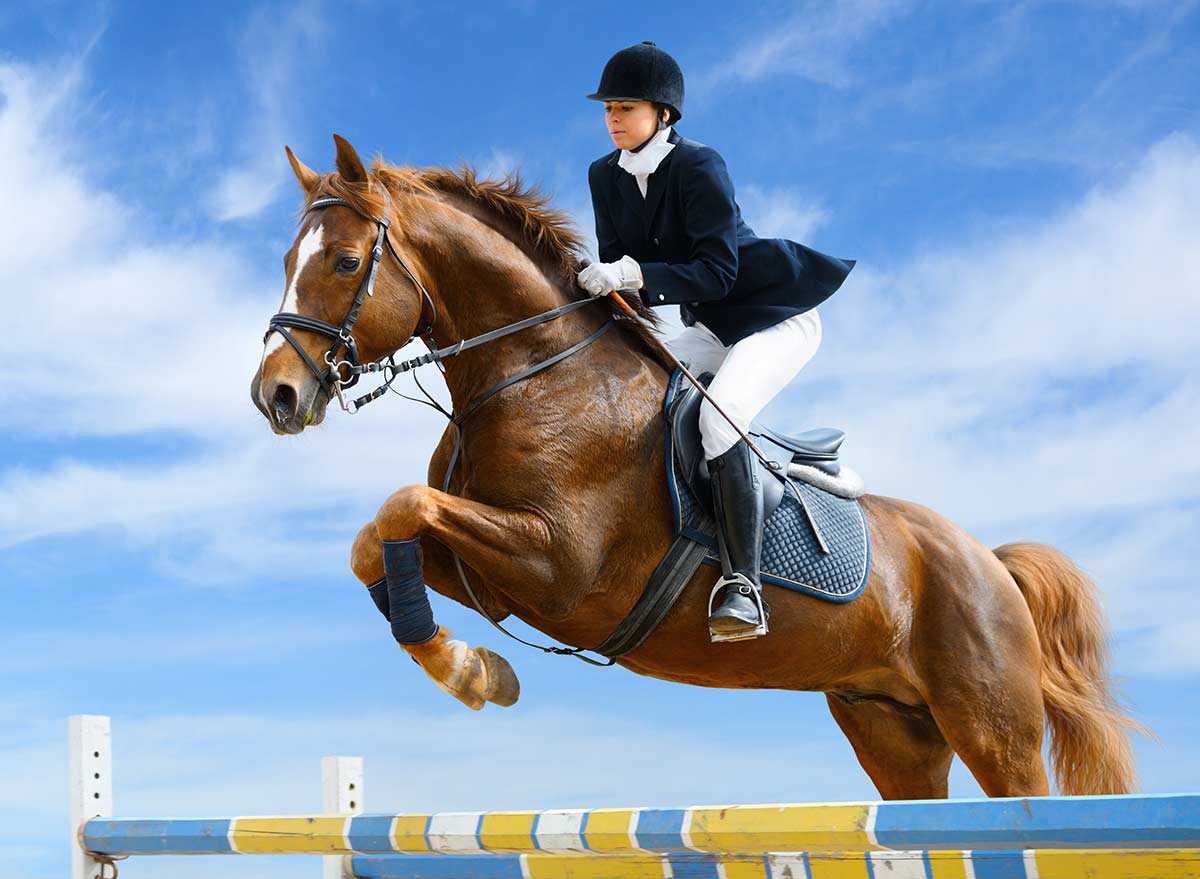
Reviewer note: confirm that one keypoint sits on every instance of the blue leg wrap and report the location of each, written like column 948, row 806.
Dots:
column 379, row 595
column 408, row 603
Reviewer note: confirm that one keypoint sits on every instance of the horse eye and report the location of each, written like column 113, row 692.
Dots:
column 347, row 264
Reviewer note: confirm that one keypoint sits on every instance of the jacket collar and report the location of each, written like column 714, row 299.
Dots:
column 673, row 137
column 655, row 184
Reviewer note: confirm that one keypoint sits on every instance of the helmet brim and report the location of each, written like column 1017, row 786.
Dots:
column 598, row 96
column 602, row 97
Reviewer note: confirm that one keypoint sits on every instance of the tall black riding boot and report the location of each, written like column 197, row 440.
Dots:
column 738, row 503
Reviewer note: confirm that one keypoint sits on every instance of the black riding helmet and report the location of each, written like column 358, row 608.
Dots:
column 643, row 72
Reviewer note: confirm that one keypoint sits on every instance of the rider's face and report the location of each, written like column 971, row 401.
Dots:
column 629, row 122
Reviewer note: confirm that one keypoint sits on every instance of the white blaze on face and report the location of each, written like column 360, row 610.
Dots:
column 310, row 245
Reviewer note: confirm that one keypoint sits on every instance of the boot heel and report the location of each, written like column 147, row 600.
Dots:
column 736, row 624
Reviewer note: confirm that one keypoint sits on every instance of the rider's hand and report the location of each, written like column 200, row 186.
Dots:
column 601, row 278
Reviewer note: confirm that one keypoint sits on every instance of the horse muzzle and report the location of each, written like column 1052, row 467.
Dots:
column 289, row 405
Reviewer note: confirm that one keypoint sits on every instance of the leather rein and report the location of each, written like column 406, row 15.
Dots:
column 331, row 381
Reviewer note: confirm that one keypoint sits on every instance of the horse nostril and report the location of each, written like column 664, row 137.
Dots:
column 284, row 402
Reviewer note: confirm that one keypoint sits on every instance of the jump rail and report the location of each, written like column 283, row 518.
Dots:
column 1156, row 837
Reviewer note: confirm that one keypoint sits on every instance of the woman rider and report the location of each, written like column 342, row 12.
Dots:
column 667, row 224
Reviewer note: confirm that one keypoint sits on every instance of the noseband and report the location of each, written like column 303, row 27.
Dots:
column 330, row 378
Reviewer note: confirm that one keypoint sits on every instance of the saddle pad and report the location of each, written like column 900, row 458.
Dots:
column 791, row 556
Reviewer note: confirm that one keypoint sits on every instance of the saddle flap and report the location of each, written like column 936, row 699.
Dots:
column 689, row 451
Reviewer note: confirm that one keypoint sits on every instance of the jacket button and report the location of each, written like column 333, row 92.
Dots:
column 661, row 297
column 656, row 242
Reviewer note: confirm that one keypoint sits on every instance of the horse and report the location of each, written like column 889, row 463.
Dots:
column 558, row 508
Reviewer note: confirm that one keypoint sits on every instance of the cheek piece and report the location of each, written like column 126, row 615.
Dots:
column 406, row 603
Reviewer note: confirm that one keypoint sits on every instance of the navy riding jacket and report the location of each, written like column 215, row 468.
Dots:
column 695, row 249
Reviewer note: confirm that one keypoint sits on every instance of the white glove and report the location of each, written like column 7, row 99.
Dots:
column 601, row 278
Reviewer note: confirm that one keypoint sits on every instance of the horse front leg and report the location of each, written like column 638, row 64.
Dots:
column 387, row 558
column 473, row 675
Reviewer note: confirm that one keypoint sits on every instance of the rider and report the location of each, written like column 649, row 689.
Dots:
column 667, row 224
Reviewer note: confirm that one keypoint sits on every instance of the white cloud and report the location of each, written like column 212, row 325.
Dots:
column 124, row 337
column 240, row 505
column 815, row 43
column 59, row 214
column 235, row 644
column 498, row 164
column 1171, row 648
column 109, row 323
column 779, row 212
column 1111, row 281
column 276, row 46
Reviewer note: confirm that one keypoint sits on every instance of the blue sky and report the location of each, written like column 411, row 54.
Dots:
column 1020, row 183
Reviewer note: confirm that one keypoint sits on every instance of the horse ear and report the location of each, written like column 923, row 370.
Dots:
column 307, row 176
column 349, row 165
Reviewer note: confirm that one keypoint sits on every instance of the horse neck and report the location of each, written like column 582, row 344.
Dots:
column 481, row 281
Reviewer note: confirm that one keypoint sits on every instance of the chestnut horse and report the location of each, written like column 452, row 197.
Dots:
column 559, row 512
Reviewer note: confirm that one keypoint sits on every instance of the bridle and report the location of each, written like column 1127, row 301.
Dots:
column 330, row 378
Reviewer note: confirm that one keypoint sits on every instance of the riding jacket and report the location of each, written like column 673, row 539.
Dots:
column 696, row 251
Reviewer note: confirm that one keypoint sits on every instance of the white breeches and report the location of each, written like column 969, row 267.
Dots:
column 748, row 373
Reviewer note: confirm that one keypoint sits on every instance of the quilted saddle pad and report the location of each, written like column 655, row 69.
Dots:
column 791, row 555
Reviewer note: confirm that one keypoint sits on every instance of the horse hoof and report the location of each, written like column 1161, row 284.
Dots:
column 503, row 688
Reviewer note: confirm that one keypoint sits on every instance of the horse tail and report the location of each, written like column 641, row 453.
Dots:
column 1089, row 746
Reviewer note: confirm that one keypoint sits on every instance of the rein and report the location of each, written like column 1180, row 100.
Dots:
column 343, row 339
column 392, row 370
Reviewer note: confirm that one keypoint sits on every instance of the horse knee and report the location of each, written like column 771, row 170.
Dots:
column 366, row 555
column 405, row 513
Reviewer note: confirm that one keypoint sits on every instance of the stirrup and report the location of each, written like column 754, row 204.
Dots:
column 742, row 583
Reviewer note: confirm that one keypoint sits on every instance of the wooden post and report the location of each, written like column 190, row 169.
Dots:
column 91, row 784
column 341, row 794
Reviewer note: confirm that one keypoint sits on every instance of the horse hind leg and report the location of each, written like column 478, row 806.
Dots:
column 980, row 667
column 901, row 748
column 473, row 675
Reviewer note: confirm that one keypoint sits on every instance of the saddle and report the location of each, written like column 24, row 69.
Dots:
column 814, row 448
column 815, row 538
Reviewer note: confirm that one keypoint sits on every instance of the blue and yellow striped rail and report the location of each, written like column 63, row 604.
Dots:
column 979, row 864
column 1120, row 836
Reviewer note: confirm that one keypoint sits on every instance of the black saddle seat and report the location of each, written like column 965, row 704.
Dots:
column 820, row 445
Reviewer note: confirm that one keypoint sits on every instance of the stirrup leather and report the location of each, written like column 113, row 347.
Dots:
column 745, row 587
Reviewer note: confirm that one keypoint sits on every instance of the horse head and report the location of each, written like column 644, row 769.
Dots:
column 350, row 298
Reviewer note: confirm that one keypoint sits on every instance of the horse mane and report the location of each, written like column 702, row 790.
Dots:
column 546, row 235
